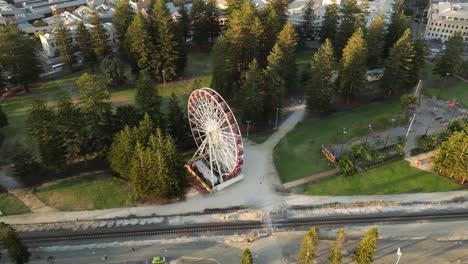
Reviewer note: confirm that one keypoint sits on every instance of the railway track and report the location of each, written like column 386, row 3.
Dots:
column 275, row 225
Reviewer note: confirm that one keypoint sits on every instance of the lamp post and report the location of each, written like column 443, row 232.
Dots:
column 164, row 78
column 248, row 126
column 388, row 136
column 276, row 121
column 342, row 145
column 445, row 84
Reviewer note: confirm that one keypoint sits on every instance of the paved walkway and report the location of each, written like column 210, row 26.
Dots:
column 31, row 201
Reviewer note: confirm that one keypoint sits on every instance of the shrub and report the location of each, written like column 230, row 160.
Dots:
column 346, row 165
column 427, row 142
column 361, row 151
column 400, row 146
column 408, row 99
column 26, row 163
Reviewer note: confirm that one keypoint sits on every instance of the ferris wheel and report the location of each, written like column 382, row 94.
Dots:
column 219, row 156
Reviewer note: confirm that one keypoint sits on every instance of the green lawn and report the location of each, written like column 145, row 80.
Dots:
column 90, row 192
column 457, row 90
column 298, row 155
column 10, row 205
column 393, row 178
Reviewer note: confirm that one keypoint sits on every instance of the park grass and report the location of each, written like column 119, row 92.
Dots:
column 101, row 191
column 10, row 205
column 392, row 178
column 298, row 154
column 458, row 89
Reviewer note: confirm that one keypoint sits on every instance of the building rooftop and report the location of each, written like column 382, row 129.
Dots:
column 450, row 10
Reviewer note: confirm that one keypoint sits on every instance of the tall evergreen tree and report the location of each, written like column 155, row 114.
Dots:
column 165, row 42
column 121, row 152
column 84, row 44
column 42, row 126
column 247, row 257
column 18, row 55
column 212, row 20
column 98, row 36
column 272, row 25
column 364, row 253
column 126, row 115
column 141, row 44
column 350, row 21
column 420, row 52
column 399, row 22
column 17, row 250
column 352, row 78
column 93, row 95
column 451, row 158
column 147, row 99
column 3, row 118
column 224, row 78
column 198, row 13
column 336, row 256
column 330, row 22
column 184, row 22
column 307, row 22
column 113, row 71
column 321, row 84
column 177, row 124
column 275, row 85
column 397, row 76
column 450, row 60
column 252, row 94
column 123, row 16
column 64, row 42
column 375, row 39
column 309, row 247
column 287, row 42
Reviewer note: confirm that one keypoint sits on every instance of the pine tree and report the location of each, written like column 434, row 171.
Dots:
column 212, row 19
column 18, row 55
column 252, row 94
column 113, row 71
column 177, row 124
column 399, row 66
column 420, row 52
column 321, row 84
column 123, row 16
column 147, row 98
column 73, row 128
column 336, row 256
column 364, row 253
column 93, row 95
column 166, row 42
column 175, row 180
column 233, row 6
column 126, row 115
column 64, row 42
column 3, row 117
column 181, row 47
column 84, row 44
column 223, row 79
column 450, row 60
column 307, row 22
column 375, row 39
column 399, row 22
column 141, row 44
column 247, row 257
column 26, row 162
column 98, row 36
column 350, row 21
column 451, row 158
column 184, row 22
column 308, row 247
column 199, row 23
column 17, row 250
column 275, row 85
column 287, row 42
column 352, row 78
column 330, row 22
column 121, row 152
column 41, row 124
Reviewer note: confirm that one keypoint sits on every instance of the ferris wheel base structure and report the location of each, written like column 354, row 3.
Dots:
column 218, row 161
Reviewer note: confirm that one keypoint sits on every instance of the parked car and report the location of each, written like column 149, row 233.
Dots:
column 159, row 260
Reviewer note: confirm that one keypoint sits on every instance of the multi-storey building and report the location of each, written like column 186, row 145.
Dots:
column 446, row 18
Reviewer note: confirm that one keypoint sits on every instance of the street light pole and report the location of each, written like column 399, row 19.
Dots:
column 445, row 84
column 164, row 78
column 368, row 132
column 276, row 121
column 248, row 126
column 342, row 144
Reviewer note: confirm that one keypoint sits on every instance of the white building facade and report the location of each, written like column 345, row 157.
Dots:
column 446, row 18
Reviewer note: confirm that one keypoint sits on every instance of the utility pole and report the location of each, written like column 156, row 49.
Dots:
column 248, row 125
column 276, row 122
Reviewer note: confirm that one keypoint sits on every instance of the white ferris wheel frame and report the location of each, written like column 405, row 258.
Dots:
column 216, row 133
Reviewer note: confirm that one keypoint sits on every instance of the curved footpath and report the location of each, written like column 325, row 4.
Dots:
column 259, row 192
